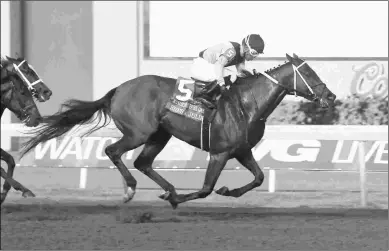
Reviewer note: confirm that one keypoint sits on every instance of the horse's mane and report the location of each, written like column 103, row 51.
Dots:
column 4, row 63
column 5, row 60
column 276, row 67
column 268, row 71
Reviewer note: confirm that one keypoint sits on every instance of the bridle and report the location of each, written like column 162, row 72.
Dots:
column 296, row 72
column 4, row 102
column 30, row 86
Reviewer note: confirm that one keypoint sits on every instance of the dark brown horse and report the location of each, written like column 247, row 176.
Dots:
column 16, row 97
column 19, row 85
column 138, row 109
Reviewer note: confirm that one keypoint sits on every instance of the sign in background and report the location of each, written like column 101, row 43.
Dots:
column 276, row 154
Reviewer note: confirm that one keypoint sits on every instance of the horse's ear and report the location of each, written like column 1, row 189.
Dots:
column 290, row 59
column 295, row 56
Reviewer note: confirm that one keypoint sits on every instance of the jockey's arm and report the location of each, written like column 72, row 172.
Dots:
column 219, row 67
column 242, row 69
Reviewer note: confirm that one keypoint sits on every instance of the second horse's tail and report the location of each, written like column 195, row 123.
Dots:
column 77, row 112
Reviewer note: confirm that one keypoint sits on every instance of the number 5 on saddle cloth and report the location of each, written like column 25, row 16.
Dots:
column 183, row 102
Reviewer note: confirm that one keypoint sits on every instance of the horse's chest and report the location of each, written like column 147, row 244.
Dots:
column 255, row 134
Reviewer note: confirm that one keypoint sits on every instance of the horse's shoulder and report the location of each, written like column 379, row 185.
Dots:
column 232, row 97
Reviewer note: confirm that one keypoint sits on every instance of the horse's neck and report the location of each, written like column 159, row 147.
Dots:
column 4, row 73
column 5, row 87
column 276, row 93
column 271, row 108
column 5, row 77
column 260, row 98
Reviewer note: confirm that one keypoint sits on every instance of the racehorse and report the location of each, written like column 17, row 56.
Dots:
column 16, row 97
column 138, row 109
column 19, row 85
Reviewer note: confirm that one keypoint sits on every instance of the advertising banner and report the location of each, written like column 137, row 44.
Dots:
column 363, row 79
column 275, row 154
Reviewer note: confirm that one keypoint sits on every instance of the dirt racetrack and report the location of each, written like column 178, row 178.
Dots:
column 62, row 220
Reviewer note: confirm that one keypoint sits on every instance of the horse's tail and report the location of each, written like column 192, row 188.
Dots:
column 77, row 112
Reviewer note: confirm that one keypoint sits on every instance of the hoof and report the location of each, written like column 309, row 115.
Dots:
column 165, row 196
column 168, row 196
column 28, row 194
column 223, row 191
column 174, row 204
column 129, row 195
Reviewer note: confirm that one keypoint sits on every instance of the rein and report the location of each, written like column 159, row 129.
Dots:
column 295, row 73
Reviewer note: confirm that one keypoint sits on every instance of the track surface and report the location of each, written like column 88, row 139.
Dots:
column 60, row 220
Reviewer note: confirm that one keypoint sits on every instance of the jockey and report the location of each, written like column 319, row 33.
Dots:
column 211, row 63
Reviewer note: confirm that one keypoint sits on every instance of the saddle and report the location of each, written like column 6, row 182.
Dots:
column 199, row 86
column 188, row 100
column 207, row 92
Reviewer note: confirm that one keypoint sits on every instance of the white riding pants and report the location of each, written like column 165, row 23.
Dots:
column 205, row 71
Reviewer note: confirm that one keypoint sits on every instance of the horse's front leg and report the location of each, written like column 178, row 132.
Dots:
column 248, row 161
column 26, row 192
column 215, row 167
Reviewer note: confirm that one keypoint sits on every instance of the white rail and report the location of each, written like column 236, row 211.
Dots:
column 284, row 132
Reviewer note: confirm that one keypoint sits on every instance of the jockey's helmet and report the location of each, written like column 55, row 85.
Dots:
column 254, row 43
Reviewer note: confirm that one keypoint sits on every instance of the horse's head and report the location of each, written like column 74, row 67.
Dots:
column 29, row 76
column 16, row 97
column 306, row 83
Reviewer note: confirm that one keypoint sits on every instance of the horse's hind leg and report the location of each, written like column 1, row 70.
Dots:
column 115, row 152
column 154, row 145
column 16, row 185
column 248, row 161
